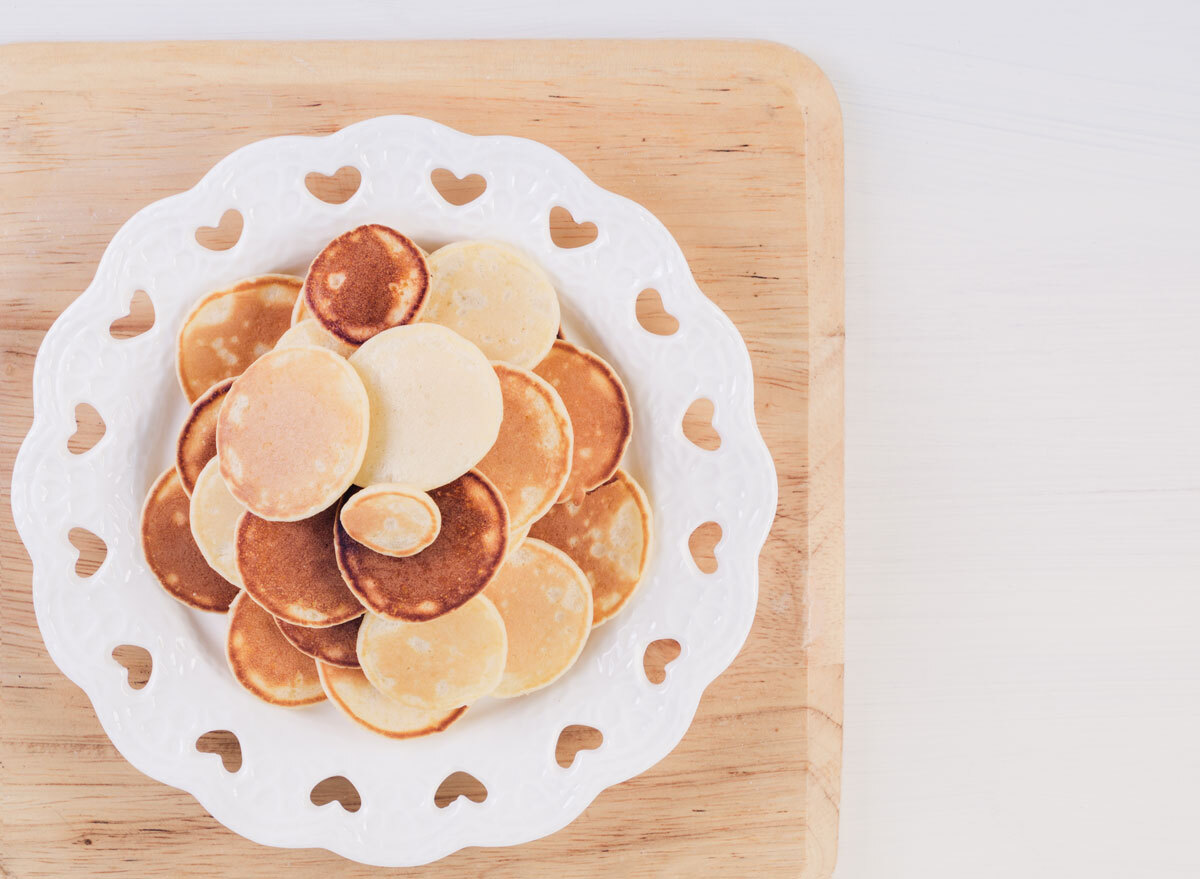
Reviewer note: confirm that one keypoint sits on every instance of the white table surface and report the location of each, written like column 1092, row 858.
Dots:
column 1022, row 400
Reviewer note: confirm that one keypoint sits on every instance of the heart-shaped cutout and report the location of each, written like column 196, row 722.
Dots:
column 137, row 662
column 659, row 654
column 336, row 188
column 698, row 425
column 89, row 429
column 703, row 546
column 339, row 788
column 457, row 190
column 566, row 233
column 653, row 315
column 576, row 738
column 225, row 745
column 223, row 235
column 139, row 318
column 92, row 551
column 459, row 784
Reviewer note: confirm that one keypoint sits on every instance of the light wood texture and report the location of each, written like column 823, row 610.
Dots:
column 735, row 146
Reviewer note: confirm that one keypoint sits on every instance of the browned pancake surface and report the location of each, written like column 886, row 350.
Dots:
column 335, row 645
column 601, row 419
column 197, row 444
column 265, row 662
column 365, row 281
column 457, row 566
column 171, row 551
column 291, row 570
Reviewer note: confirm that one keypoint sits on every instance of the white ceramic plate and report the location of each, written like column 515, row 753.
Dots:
column 508, row 745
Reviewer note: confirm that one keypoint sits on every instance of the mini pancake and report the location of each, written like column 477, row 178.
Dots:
column 546, row 603
column 214, row 514
column 197, row 443
column 436, row 406
column 349, row 690
column 229, row 329
column 365, row 281
column 309, row 332
column 600, row 415
column 292, row 432
column 265, row 662
column 171, row 551
column 335, row 645
column 291, row 570
column 495, row 296
column 531, row 458
column 608, row 536
column 468, row 551
column 392, row 519
column 437, row 665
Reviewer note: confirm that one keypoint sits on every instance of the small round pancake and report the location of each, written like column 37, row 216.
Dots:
column 309, row 332
column 349, row 690
column 291, row 570
column 468, row 551
column 335, row 645
column 392, row 519
column 600, row 415
column 436, row 406
column 608, row 536
column 365, row 281
column 495, row 296
column 437, row 665
column 531, row 458
column 265, row 662
column 171, row 551
column 546, row 604
column 229, row 329
column 197, row 443
column 214, row 513
column 292, row 432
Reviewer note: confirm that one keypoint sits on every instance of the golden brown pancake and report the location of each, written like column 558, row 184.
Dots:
column 437, row 665
column 365, row 281
column 292, row 432
column 335, row 645
column 608, row 536
column 265, row 662
column 349, row 690
column 171, row 551
column 197, row 443
column 309, row 332
column 466, row 554
column 546, row 603
column 291, row 570
column 531, row 458
column 392, row 519
column 600, row 416
column 435, row 406
column 229, row 329
column 495, row 296
column 214, row 514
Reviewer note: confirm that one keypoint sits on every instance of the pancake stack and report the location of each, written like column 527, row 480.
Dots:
column 400, row 481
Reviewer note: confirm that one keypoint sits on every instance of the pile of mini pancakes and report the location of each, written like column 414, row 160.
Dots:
column 400, row 481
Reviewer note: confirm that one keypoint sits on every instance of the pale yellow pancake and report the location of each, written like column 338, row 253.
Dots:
column 392, row 519
column 309, row 332
column 546, row 603
column 291, row 570
column 171, row 551
column 214, row 515
column 531, row 458
column 601, row 419
column 436, row 406
column 335, row 645
column 229, row 329
column 292, row 432
column 608, row 536
column 197, row 443
column 469, row 549
column 438, row 665
column 349, row 690
column 365, row 281
column 495, row 296
column 265, row 662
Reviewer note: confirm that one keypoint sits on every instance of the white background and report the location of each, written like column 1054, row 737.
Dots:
column 1022, row 406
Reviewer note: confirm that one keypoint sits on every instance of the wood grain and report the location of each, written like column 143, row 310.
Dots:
column 735, row 146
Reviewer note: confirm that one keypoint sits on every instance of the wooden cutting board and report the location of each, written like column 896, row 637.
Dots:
column 735, row 146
